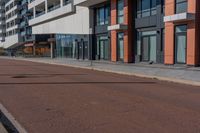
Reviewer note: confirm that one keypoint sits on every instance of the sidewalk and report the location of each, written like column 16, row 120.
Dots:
column 178, row 74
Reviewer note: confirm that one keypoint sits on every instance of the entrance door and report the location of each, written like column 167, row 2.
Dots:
column 120, row 46
column 145, row 48
column 153, row 48
column 181, row 49
column 181, row 44
column 104, row 49
column 149, row 49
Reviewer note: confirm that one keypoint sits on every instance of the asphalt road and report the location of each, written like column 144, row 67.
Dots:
column 57, row 99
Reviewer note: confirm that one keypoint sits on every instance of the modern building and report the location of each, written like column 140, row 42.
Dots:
column 12, row 20
column 2, row 21
column 67, row 26
column 152, row 31
column 129, row 31
column 182, row 30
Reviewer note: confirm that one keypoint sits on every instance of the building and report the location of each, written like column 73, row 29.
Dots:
column 2, row 21
column 182, row 19
column 67, row 26
column 11, row 18
column 152, row 31
column 128, row 31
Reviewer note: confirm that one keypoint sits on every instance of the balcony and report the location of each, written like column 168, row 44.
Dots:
column 54, row 14
column 182, row 17
column 88, row 3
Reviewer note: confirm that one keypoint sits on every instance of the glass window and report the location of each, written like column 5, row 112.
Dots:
column 181, row 28
column 146, row 8
column 153, row 7
column 102, row 15
column 120, row 11
column 181, row 6
column 139, row 8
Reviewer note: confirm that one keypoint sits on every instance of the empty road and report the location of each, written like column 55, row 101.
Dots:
column 56, row 99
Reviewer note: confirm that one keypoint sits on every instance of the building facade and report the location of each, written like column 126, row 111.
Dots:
column 128, row 31
column 182, row 32
column 67, row 26
column 2, row 22
column 152, row 31
column 12, row 21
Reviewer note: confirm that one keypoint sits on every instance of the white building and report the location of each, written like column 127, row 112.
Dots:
column 12, row 20
column 68, row 25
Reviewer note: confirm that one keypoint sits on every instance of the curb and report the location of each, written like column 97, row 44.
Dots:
column 13, row 121
column 173, row 80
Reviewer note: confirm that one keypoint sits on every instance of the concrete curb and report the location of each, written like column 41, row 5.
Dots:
column 173, row 80
column 2, row 129
column 14, row 122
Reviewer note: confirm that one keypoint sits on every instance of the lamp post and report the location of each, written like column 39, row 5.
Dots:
column 91, row 46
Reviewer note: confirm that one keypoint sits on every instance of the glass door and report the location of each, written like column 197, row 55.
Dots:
column 181, row 49
column 153, row 48
column 145, row 48
column 181, row 44
column 149, row 48
column 120, row 46
column 103, row 48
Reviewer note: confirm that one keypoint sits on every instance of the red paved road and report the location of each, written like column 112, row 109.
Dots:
column 56, row 99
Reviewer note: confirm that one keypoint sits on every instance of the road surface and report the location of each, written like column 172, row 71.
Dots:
column 56, row 99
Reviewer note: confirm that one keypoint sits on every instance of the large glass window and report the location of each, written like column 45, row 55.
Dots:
column 120, row 11
column 181, row 6
column 65, row 46
column 146, row 8
column 102, row 15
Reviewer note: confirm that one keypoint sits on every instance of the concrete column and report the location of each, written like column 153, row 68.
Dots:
column 52, row 50
column 34, row 12
column 61, row 3
column 46, row 6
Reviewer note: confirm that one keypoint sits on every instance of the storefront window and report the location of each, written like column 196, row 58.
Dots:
column 65, row 46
